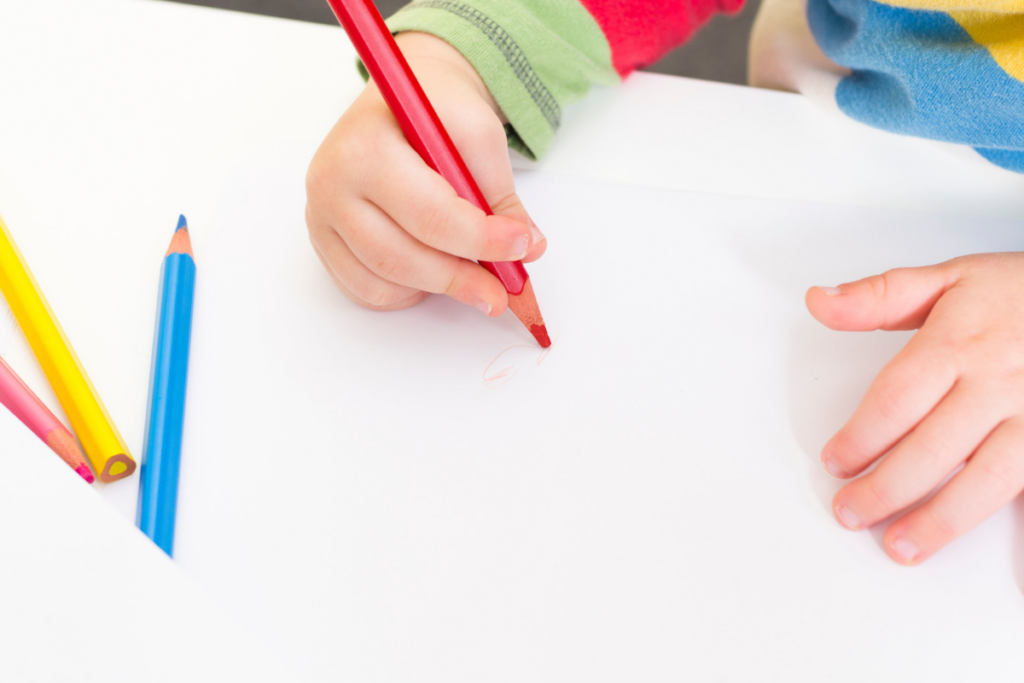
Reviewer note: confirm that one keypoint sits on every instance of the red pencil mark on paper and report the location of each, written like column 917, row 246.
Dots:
column 495, row 377
column 499, row 377
column 544, row 352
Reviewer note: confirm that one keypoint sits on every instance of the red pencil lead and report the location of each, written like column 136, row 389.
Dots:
column 85, row 473
column 524, row 305
column 540, row 333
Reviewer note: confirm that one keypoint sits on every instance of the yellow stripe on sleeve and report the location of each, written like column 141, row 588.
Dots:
column 996, row 7
column 1001, row 34
column 996, row 25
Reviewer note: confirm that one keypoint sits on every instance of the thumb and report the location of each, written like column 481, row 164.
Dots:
column 480, row 137
column 512, row 207
column 899, row 299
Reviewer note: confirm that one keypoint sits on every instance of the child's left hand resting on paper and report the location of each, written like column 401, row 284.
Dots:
column 953, row 396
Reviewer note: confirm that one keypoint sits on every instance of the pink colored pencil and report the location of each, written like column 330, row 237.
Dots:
column 27, row 407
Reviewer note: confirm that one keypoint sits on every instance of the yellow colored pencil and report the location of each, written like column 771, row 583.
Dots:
column 99, row 437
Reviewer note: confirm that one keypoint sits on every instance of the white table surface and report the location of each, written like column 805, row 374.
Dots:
column 117, row 115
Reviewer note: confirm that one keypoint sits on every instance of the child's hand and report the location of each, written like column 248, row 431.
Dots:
column 953, row 395
column 388, row 228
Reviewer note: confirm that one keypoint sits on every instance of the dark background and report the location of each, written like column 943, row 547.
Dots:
column 717, row 53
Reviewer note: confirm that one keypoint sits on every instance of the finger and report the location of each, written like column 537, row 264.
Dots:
column 426, row 206
column 480, row 137
column 895, row 300
column 906, row 390
column 512, row 207
column 412, row 300
column 394, row 255
column 936, row 447
column 481, row 140
column 539, row 247
column 993, row 477
column 355, row 280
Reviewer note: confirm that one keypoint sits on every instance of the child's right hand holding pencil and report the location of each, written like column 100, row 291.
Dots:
column 390, row 230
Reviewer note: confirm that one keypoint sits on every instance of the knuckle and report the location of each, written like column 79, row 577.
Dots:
column 1000, row 354
column 882, row 495
column 358, row 150
column 1012, row 357
column 506, row 202
column 317, row 176
column 966, row 260
column 454, row 286
column 491, row 241
column 889, row 403
column 344, row 166
column 356, row 163
column 318, row 226
column 960, row 347
column 931, row 454
column 391, row 267
column 380, row 299
column 376, row 295
column 880, row 287
column 312, row 226
column 464, row 282
column 437, row 225
column 942, row 526
column 997, row 476
column 880, row 283
column 970, row 262
column 343, row 217
column 363, row 290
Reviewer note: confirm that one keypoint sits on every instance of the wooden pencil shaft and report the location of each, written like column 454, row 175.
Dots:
column 103, row 444
column 24, row 404
column 161, row 458
column 416, row 116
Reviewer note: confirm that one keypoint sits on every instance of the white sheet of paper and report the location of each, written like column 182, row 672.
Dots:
column 84, row 596
column 426, row 495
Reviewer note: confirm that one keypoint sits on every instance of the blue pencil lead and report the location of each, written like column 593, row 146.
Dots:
column 182, row 223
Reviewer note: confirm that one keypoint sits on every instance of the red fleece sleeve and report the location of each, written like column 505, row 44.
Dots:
column 641, row 31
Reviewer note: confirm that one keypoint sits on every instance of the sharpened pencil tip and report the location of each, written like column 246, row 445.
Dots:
column 524, row 305
column 181, row 243
column 182, row 223
column 85, row 473
column 540, row 333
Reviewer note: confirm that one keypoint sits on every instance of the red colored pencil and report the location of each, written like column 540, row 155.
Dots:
column 418, row 120
column 27, row 407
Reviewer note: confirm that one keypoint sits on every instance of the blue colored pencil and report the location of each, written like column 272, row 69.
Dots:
column 158, row 485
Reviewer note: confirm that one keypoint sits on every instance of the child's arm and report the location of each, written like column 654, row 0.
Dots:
column 953, row 396
column 536, row 56
column 388, row 229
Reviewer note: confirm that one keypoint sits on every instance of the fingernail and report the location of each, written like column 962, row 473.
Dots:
column 847, row 516
column 834, row 469
column 484, row 307
column 905, row 550
column 831, row 291
column 521, row 246
column 538, row 236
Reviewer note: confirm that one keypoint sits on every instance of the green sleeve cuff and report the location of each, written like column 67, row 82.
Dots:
column 535, row 56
